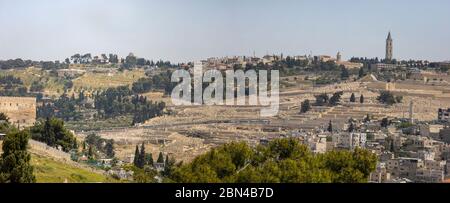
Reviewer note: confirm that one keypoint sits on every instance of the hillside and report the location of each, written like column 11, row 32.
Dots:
column 91, row 81
column 49, row 170
column 52, row 84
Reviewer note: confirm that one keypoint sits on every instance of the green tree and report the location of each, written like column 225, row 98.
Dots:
column 149, row 159
column 361, row 99
column 5, row 125
column 146, row 175
column 15, row 164
column 384, row 122
column 336, row 98
column 350, row 167
column 53, row 133
column 367, row 118
column 392, row 147
column 344, row 73
column 4, row 117
column 84, row 146
column 361, row 72
column 160, row 158
column 141, row 158
column 168, row 166
column 109, row 148
column 387, row 97
column 353, row 98
column 351, row 127
column 91, row 153
column 136, row 157
column 321, row 99
column 305, row 106
column 330, row 127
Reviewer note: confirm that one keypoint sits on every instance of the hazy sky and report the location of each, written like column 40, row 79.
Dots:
column 181, row 30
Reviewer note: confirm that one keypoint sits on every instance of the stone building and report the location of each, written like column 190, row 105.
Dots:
column 380, row 175
column 350, row 141
column 21, row 111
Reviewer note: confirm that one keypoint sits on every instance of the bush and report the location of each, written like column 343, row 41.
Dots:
column 388, row 98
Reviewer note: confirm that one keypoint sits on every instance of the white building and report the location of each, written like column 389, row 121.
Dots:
column 350, row 140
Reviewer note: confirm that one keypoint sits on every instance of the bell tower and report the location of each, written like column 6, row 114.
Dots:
column 389, row 48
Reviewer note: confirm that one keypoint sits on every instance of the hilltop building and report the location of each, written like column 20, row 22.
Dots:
column 338, row 60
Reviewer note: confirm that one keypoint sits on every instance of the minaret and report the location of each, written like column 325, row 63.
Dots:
column 389, row 48
column 411, row 113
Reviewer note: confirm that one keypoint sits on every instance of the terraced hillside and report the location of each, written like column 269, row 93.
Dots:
column 93, row 81
column 52, row 85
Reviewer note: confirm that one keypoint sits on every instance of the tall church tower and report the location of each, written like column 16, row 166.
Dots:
column 389, row 48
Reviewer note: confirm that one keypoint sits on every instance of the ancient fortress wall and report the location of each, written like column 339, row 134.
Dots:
column 20, row 110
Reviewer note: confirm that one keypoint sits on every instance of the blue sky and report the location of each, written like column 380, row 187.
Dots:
column 185, row 30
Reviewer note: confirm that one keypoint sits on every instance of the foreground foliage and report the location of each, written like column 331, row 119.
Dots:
column 281, row 161
column 15, row 164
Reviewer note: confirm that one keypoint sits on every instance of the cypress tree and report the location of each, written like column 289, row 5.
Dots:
column 361, row 99
column 330, row 127
column 160, row 158
column 141, row 160
column 136, row 157
column 361, row 72
column 351, row 127
column 384, row 122
column 344, row 73
column 168, row 166
column 84, row 146
column 90, row 152
column 166, row 162
column 367, row 118
column 149, row 159
column 353, row 98
column 15, row 166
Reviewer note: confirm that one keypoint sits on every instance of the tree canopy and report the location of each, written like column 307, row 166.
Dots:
column 281, row 161
column 305, row 106
column 15, row 164
column 53, row 132
column 388, row 98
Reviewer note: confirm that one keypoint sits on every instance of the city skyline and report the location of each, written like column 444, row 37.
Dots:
column 183, row 31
